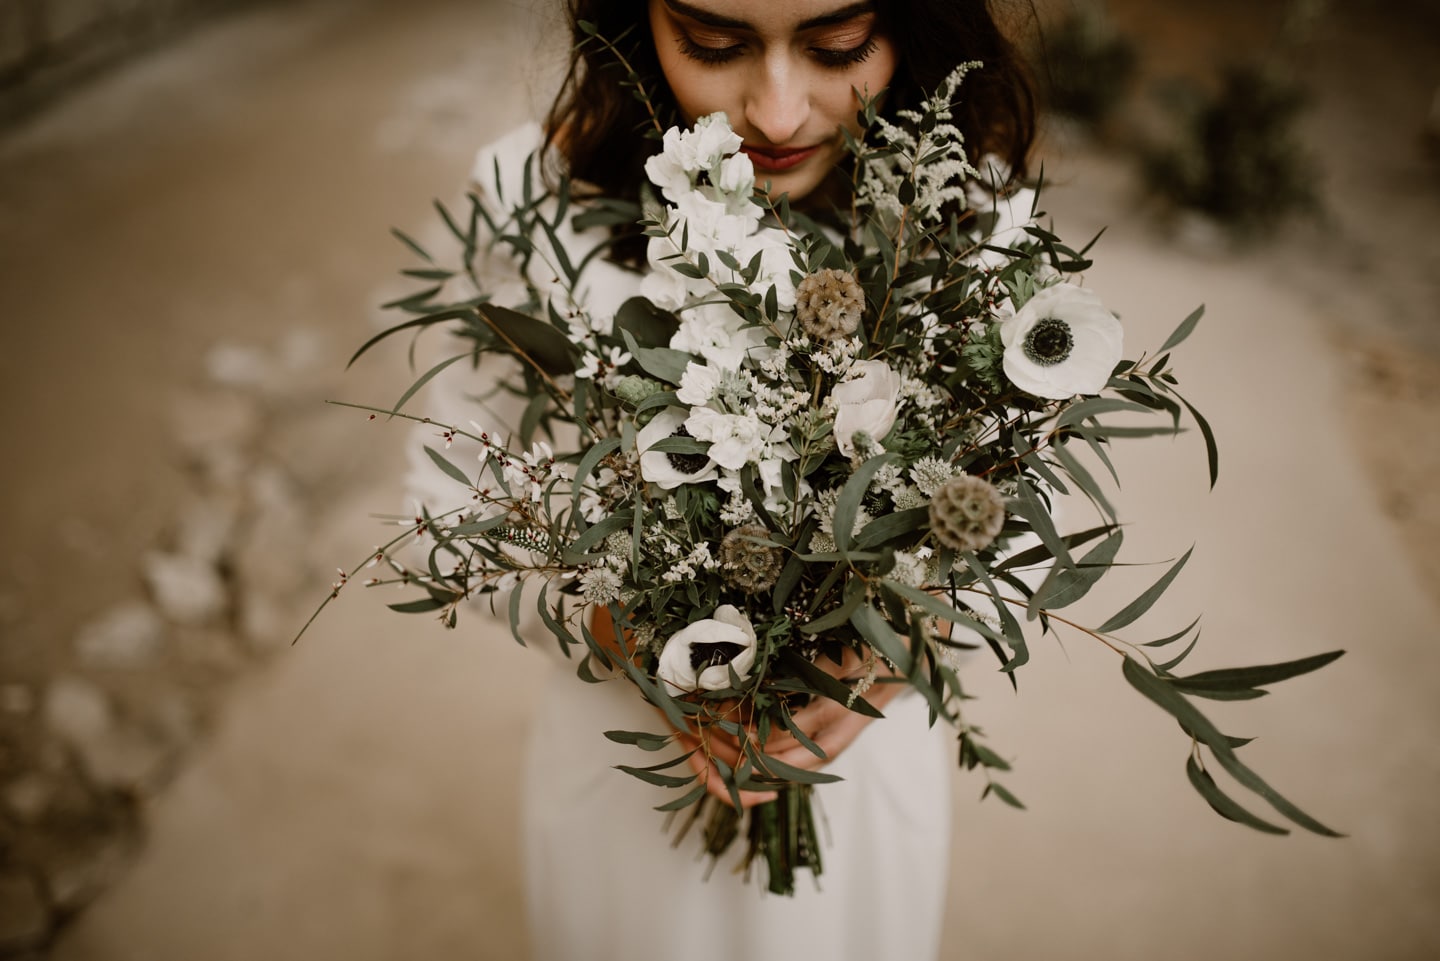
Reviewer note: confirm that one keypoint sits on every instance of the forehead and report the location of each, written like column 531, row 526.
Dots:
column 769, row 16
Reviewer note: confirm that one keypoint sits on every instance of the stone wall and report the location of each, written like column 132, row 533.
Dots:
column 47, row 45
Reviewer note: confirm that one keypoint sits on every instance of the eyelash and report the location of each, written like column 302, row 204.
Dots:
column 837, row 59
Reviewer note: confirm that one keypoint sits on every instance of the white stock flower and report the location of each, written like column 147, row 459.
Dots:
column 710, row 224
column 700, row 656
column 1012, row 213
column 698, row 384
column 667, row 169
column 776, row 264
column 670, row 470
column 1063, row 342
column 735, row 439
column 712, row 332
column 661, row 285
column 865, row 403
column 712, row 139
column 737, row 176
column 685, row 154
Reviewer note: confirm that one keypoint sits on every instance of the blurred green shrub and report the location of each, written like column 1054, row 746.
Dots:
column 1237, row 155
column 1088, row 66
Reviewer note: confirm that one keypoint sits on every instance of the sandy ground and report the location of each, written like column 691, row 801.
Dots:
column 357, row 799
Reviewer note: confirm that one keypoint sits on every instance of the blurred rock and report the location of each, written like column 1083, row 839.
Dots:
column 77, row 710
column 127, row 759
column 24, row 916
column 172, row 716
column 217, row 430
column 113, row 754
column 12, row 607
column 303, row 349
column 273, row 555
column 207, row 527
column 264, row 623
column 212, row 649
column 186, row 589
column 83, row 872
column 16, row 699
column 238, row 365
column 29, row 796
column 128, row 635
column 1432, row 122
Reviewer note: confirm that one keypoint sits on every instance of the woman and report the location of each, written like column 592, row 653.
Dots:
column 602, row 880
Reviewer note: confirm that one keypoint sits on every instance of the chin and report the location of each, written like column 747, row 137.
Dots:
column 797, row 184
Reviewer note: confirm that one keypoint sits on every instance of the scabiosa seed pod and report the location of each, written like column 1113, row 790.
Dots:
column 828, row 304
column 966, row 513
column 746, row 562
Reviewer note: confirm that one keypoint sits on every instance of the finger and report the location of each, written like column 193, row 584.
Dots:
column 714, row 781
column 727, row 750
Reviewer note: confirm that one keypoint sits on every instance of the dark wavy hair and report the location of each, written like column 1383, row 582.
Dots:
column 597, row 123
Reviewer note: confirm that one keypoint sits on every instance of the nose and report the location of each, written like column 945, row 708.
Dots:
column 778, row 101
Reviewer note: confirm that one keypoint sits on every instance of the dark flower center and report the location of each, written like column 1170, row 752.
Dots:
column 1049, row 342
column 687, row 463
column 712, row 655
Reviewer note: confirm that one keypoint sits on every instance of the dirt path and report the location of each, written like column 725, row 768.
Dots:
column 356, row 798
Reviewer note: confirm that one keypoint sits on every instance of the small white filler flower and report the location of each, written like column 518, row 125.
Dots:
column 1063, row 342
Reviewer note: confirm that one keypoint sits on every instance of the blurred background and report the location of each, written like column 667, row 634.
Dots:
column 195, row 200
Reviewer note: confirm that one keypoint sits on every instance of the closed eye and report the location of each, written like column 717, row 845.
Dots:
column 841, row 59
column 825, row 56
column 710, row 55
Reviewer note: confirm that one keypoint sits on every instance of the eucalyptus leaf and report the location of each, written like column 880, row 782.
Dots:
column 882, row 637
column 442, row 462
column 1173, row 702
column 777, row 769
column 647, row 324
column 1187, row 326
column 684, row 801
column 659, row 362
column 999, row 790
column 545, row 347
column 655, row 777
column 1136, row 608
column 1241, row 678
column 1070, row 584
column 646, row 742
column 1212, row 450
column 847, row 507
column 827, row 685
column 422, row 606
column 1224, row 805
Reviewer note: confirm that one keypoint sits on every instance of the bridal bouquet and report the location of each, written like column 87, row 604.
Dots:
column 803, row 438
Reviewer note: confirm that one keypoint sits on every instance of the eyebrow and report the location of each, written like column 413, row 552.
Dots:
column 848, row 12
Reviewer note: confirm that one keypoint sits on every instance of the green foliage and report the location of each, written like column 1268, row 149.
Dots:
column 1089, row 65
column 626, row 503
column 1236, row 154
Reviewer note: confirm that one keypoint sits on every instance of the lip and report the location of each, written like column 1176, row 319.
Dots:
column 777, row 159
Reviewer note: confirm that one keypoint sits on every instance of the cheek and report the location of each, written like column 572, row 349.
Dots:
column 869, row 78
column 697, row 90
column 875, row 74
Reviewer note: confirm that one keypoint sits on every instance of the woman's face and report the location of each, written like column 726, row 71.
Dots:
column 784, row 71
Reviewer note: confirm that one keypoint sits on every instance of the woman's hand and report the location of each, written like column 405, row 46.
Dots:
column 829, row 724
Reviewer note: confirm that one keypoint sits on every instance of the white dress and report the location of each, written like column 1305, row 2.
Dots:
column 602, row 878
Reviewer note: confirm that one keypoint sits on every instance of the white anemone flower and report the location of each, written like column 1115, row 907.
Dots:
column 671, row 470
column 700, row 656
column 1063, row 342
